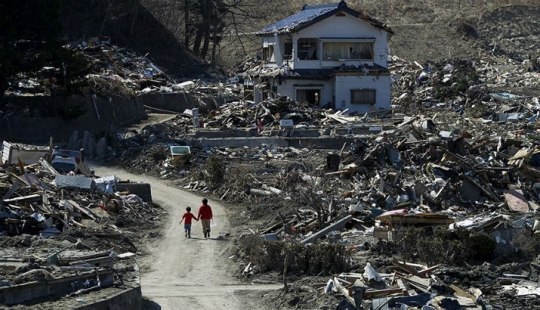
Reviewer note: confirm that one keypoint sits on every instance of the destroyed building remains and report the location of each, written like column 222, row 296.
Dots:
column 454, row 164
column 450, row 173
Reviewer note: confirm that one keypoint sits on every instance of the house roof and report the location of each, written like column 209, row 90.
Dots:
column 311, row 14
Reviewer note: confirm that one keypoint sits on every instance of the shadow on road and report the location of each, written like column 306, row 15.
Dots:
column 150, row 305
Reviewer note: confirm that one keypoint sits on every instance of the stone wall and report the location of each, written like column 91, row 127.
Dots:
column 36, row 119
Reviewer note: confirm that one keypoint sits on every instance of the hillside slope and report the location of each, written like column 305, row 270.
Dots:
column 423, row 31
column 510, row 31
column 128, row 24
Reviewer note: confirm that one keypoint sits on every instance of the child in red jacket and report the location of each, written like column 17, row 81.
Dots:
column 205, row 214
column 188, row 216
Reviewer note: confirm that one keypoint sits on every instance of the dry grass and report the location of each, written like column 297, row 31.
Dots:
column 312, row 259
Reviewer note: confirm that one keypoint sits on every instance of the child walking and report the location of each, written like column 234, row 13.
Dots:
column 188, row 216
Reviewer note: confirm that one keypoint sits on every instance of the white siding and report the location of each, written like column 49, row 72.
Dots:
column 342, row 27
column 344, row 84
column 268, row 41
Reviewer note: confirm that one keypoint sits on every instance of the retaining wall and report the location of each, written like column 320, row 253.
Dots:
column 46, row 117
column 17, row 294
column 130, row 298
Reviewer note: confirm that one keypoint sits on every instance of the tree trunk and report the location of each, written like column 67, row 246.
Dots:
column 136, row 4
column 207, row 21
column 187, row 27
column 198, row 40
column 217, row 35
column 3, row 88
column 214, row 48
column 236, row 33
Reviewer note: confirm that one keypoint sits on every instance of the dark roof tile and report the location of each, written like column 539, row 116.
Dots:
column 307, row 14
column 311, row 14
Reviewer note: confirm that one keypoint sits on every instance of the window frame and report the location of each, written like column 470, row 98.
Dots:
column 354, row 44
column 301, row 48
column 308, row 92
column 372, row 92
column 268, row 53
column 288, row 49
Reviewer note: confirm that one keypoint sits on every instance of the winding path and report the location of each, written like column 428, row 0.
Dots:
column 183, row 273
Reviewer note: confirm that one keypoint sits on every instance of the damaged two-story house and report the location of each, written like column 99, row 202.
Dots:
column 326, row 55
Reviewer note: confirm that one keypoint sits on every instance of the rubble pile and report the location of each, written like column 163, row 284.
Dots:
column 458, row 152
column 71, row 232
column 112, row 71
column 478, row 86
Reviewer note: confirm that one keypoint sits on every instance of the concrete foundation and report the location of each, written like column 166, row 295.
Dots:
column 328, row 138
column 127, row 299
column 320, row 143
column 22, row 293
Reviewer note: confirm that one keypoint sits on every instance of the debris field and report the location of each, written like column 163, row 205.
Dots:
column 436, row 200
column 431, row 204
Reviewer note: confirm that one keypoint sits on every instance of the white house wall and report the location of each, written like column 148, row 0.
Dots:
column 342, row 27
column 344, row 85
column 338, row 89
column 288, row 88
column 268, row 41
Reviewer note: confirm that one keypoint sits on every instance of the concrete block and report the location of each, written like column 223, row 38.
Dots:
column 143, row 190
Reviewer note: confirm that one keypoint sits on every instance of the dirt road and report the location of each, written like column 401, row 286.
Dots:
column 186, row 273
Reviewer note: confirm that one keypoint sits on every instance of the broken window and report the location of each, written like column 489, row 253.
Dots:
column 363, row 96
column 268, row 53
column 310, row 96
column 347, row 50
column 288, row 49
column 307, row 49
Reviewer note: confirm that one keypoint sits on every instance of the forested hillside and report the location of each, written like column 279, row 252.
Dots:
column 205, row 38
column 222, row 31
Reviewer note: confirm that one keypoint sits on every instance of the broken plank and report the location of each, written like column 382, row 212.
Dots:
column 412, row 264
column 341, row 289
column 460, row 292
column 34, row 197
column 384, row 292
column 272, row 189
column 339, row 224
column 405, row 268
column 425, row 271
column 351, row 277
column 259, row 192
column 83, row 210
column 77, row 223
column 406, row 290
column 421, row 284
